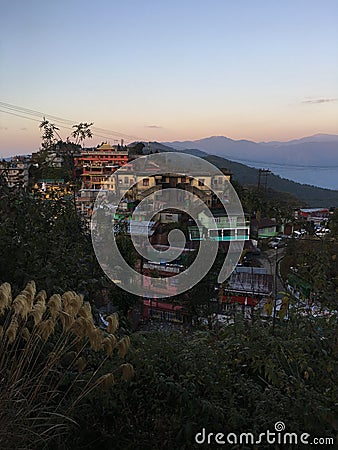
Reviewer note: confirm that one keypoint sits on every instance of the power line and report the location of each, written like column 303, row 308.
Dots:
column 19, row 115
column 25, row 113
column 39, row 121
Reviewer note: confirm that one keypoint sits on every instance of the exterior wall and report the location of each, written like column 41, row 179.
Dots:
column 227, row 228
column 54, row 159
column 165, row 312
column 148, row 184
column 170, row 289
column 267, row 232
column 98, row 164
column 169, row 217
column 85, row 201
column 15, row 172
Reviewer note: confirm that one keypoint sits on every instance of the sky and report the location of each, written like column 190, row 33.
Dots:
column 169, row 70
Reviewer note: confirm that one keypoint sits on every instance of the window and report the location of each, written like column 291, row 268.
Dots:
column 126, row 180
column 228, row 233
column 201, row 182
column 146, row 182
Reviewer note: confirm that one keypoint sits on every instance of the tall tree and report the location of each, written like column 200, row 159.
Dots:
column 82, row 131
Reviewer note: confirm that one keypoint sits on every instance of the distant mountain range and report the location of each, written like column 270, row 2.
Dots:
column 320, row 149
column 311, row 195
column 312, row 159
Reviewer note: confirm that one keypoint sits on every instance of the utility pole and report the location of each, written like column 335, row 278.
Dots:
column 275, row 292
column 263, row 173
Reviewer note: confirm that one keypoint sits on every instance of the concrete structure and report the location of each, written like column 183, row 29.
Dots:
column 97, row 164
column 16, row 171
column 264, row 228
column 142, row 185
column 316, row 215
column 228, row 228
column 246, row 289
column 53, row 189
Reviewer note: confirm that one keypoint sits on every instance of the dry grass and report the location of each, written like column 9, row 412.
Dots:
column 43, row 348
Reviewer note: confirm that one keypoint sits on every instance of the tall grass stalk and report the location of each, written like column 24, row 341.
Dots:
column 43, row 370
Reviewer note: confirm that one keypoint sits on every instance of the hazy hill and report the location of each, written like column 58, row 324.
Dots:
column 159, row 147
column 317, row 150
column 312, row 159
column 313, row 196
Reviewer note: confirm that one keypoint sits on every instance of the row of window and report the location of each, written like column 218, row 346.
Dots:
column 225, row 232
column 167, row 316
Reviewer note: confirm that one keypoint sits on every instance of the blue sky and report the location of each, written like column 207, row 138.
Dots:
column 168, row 70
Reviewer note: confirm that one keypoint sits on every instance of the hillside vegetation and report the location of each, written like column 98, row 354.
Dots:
column 310, row 195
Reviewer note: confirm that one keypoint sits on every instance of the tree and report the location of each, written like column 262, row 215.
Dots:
column 82, row 131
column 53, row 145
column 333, row 223
column 43, row 240
column 234, row 380
column 49, row 132
column 137, row 149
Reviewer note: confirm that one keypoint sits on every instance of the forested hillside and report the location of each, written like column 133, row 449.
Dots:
column 311, row 195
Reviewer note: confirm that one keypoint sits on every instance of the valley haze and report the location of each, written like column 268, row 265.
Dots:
column 309, row 160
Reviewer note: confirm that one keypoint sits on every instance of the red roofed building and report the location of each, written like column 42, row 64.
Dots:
column 97, row 164
column 166, row 312
column 316, row 215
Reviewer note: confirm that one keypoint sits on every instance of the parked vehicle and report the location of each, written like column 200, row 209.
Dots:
column 298, row 234
column 277, row 242
column 321, row 232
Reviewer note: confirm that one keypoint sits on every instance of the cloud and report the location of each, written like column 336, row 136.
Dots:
column 3, row 128
column 153, row 126
column 319, row 100
column 23, row 129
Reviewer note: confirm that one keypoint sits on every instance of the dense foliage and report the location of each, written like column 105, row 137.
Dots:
column 315, row 261
column 43, row 240
column 241, row 379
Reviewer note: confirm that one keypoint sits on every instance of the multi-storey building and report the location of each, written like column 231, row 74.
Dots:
column 247, row 288
column 97, row 164
column 220, row 227
column 16, row 171
column 142, row 184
